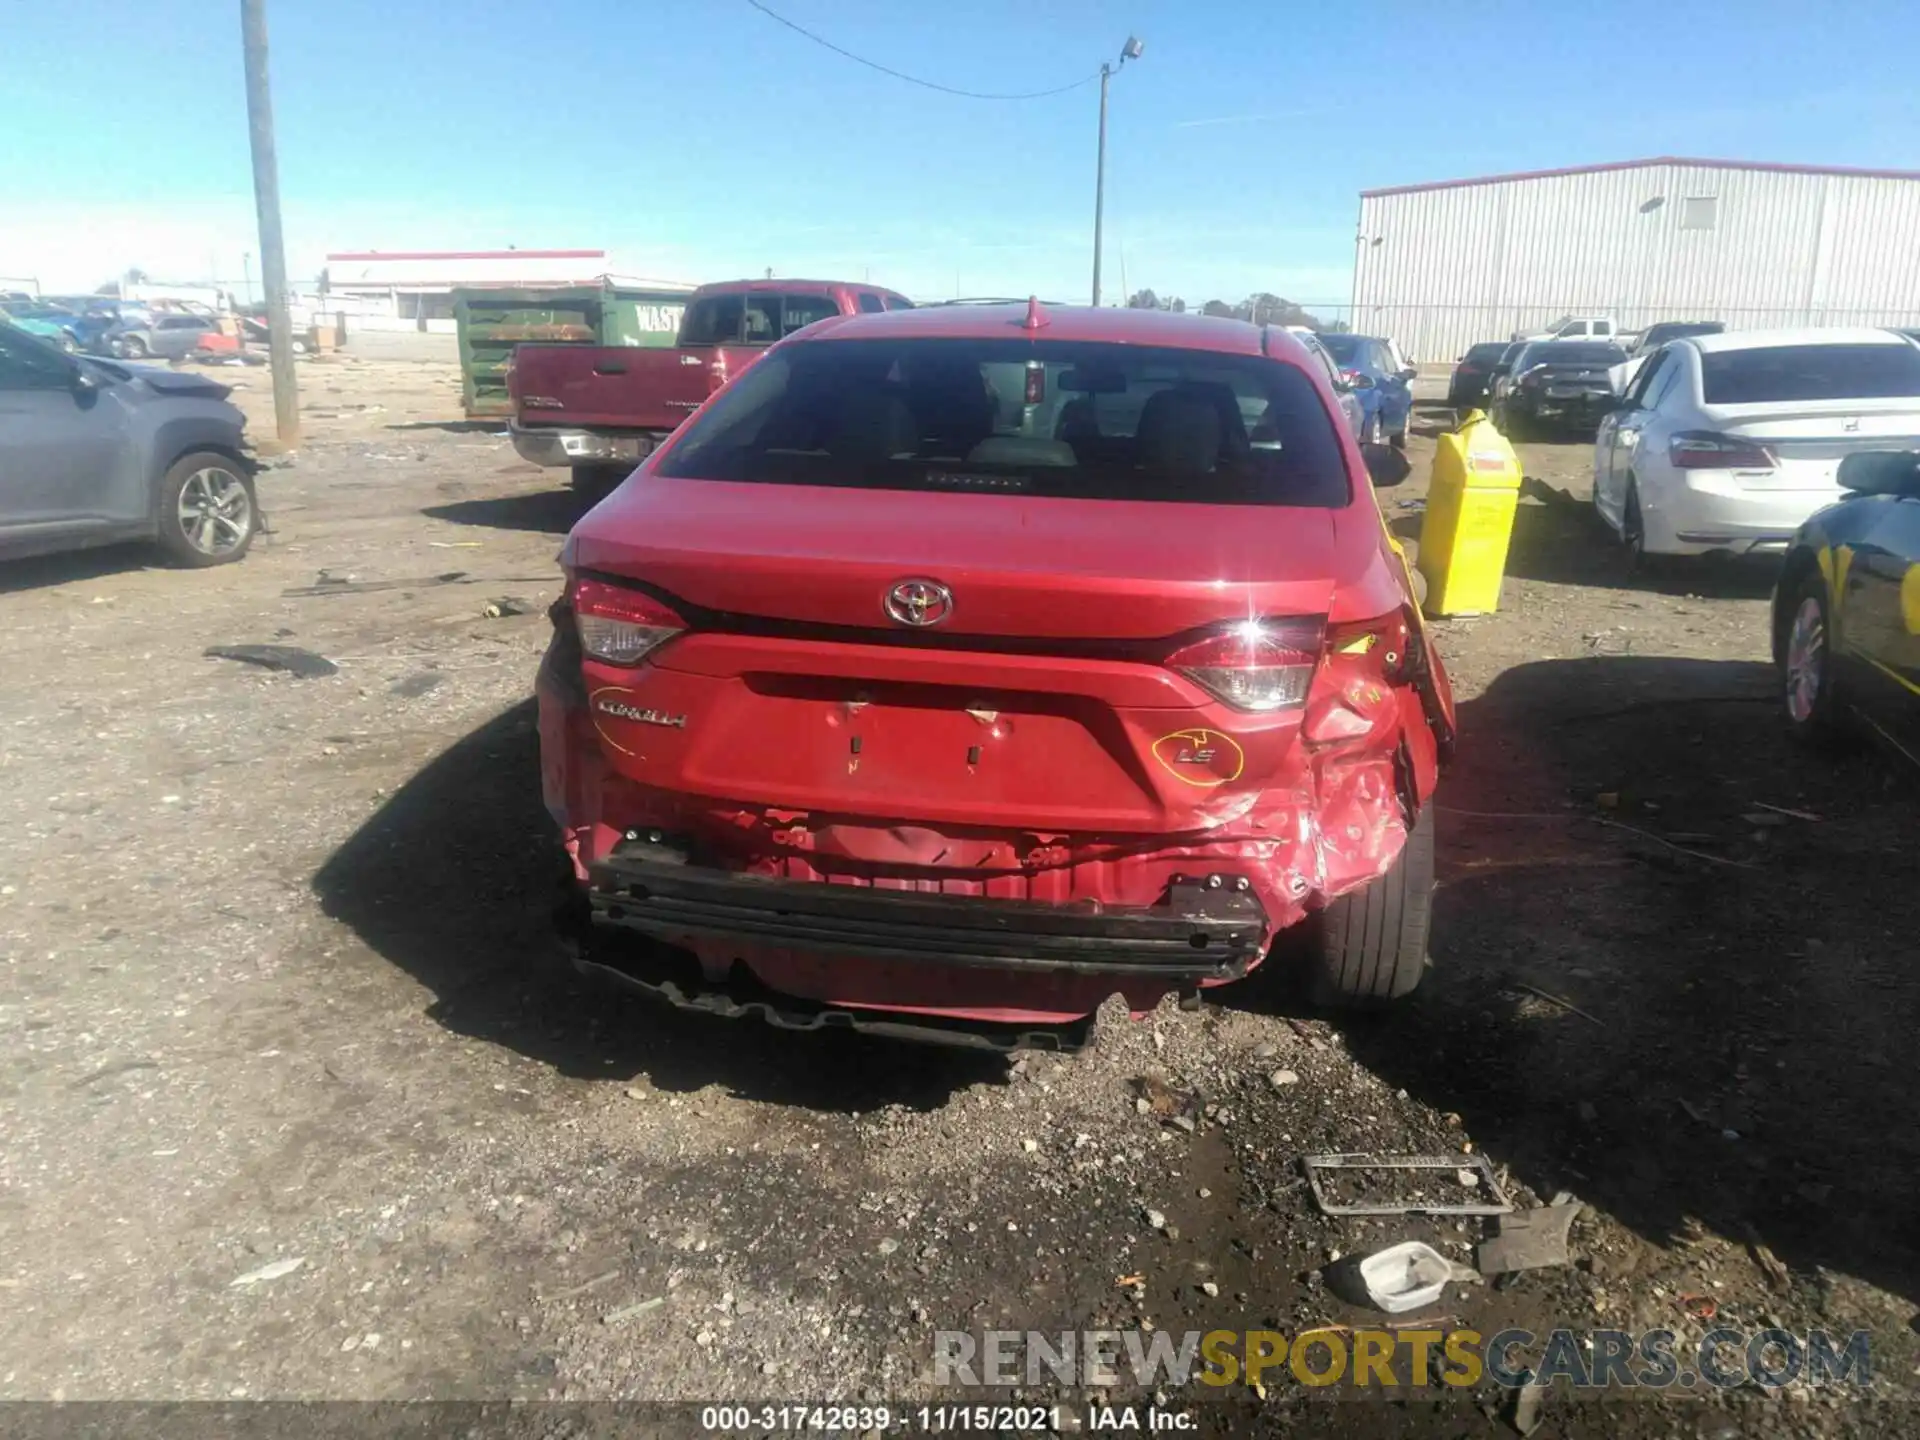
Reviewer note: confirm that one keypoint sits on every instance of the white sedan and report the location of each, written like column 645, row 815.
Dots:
column 1728, row 442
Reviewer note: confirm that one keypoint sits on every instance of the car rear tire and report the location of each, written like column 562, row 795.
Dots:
column 1370, row 430
column 1513, row 426
column 1633, row 532
column 1369, row 947
column 208, row 511
column 1399, row 437
column 131, row 347
column 1815, row 712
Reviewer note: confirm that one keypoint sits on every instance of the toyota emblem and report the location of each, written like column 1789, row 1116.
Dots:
column 920, row 603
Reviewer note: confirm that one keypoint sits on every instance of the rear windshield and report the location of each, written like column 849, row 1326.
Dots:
column 1342, row 347
column 1565, row 353
column 755, row 318
column 1488, row 354
column 1808, row 372
column 1083, row 421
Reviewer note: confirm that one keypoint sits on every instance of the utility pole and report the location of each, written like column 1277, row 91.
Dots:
column 1130, row 51
column 266, row 199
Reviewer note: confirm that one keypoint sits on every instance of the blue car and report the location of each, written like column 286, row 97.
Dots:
column 1383, row 388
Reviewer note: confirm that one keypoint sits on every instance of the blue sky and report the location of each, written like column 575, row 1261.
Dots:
column 698, row 140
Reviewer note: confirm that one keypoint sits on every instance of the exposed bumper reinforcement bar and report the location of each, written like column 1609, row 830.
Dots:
column 1201, row 933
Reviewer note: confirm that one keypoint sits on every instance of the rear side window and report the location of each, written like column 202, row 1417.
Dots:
column 713, row 320
column 1486, row 354
column 801, row 311
column 870, row 303
column 1075, row 420
column 1809, row 372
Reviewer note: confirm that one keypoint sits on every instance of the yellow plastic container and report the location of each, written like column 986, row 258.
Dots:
column 1469, row 519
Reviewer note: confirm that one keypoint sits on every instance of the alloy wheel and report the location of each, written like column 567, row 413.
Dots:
column 216, row 513
column 1806, row 660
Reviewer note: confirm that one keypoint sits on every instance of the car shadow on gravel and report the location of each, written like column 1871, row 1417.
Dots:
column 1743, row 1055
column 73, row 566
column 544, row 512
column 452, row 880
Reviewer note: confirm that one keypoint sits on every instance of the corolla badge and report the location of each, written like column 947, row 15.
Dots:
column 919, row 603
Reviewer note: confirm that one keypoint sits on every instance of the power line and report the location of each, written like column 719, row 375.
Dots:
column 914, row 79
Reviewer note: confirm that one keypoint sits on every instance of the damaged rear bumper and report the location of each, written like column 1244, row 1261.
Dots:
column 1200, row 934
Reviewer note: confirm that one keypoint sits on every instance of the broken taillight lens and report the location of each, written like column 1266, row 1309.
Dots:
column 1386, row 642
column 1255, row 665
column 1364, row 663
column 619, row 626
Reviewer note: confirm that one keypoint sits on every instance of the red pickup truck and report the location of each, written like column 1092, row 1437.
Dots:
column 601, row 409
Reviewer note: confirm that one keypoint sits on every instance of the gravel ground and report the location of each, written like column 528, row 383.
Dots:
column 299, row 1105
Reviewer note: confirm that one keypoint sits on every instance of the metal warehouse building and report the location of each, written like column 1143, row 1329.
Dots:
column 1443, row 265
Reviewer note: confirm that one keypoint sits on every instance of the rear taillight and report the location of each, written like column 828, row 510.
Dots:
column 1706, row 450
column 1259, row 666
column 1352, row 377
column 619, row 626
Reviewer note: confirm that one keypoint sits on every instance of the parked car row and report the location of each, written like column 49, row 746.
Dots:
column 103, row 325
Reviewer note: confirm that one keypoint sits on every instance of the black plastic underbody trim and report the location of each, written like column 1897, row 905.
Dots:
column 1200, row 934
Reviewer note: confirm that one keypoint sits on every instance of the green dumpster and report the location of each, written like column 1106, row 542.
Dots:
column 491, row 322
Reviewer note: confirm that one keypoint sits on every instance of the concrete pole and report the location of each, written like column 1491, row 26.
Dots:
column 1100, row 182
column 266, row 199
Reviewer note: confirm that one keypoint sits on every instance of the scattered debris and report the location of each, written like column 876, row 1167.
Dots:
column 1523, row 1412
column 506, row 605
column 1404, row 1277
column 1209, row 1289
column 1281, row 1079
column 1180, row 1109
column 1699, row 1307
column 1529, row 1240
column 1494, row 1203
column 1559, row 1001
column 301, row 664
column 106, row 1072
column 1126, row 1280
column 1155, row 1220
column 630, row 1312
column 574, row 1291
column 889, row 1245
column 335, row 585
column 412, row 687
column 1771, row 1265
column 271, row 1271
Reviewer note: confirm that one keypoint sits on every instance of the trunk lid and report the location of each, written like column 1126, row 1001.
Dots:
column 1018, row 566
column 1810, row 439
column 1033, row 705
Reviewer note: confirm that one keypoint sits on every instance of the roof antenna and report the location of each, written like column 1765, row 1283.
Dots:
column 1036, row 317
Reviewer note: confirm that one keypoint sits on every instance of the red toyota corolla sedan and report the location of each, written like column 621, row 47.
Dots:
column 955, row 668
